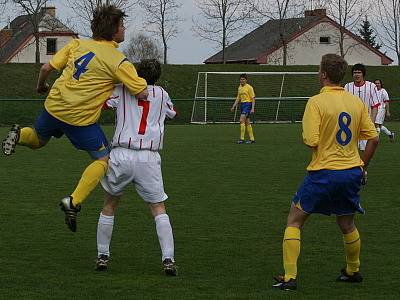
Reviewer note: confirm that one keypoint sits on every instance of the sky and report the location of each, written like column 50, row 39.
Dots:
column 185, row 48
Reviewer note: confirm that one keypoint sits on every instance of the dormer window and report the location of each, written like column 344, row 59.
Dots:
column 51, row 46
column 324, row 40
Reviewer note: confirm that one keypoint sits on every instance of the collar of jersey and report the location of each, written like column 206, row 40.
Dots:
column 108, row 42
column 331, row 88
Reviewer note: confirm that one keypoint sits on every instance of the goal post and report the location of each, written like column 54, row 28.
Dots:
column 280, row 96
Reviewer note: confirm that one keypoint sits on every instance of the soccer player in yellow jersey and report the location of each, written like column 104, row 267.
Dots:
column 333, row 122
column 89, row 70
column 246, row 98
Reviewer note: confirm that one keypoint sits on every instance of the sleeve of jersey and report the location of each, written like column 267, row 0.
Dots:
column 112, row 101
column 127, row 74
column 367, row 128
column 252, row 95
column 60, row 59
column 170, row 111
column 385, row 96
column 375, row 97
column 311, row 124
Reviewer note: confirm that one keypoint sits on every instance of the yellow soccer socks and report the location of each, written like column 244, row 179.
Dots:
column 242, row 130
column 89, row 180
column 29, row 138
column 291, row 251
column 352, row 246
column 250, row 132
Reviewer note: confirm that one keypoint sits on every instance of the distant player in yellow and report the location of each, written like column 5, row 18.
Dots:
column 89, row 70
column 333, row 122
column 246, row 98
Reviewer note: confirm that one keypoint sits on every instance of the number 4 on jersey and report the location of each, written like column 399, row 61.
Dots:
column 81, row 64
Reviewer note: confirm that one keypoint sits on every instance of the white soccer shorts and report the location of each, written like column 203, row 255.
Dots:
column 380, row 117
column 142, row 168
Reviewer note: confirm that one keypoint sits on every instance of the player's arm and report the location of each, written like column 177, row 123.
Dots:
column 170, row 111
column 58, row 62
column 375, row 102
column 386, row 102
column 42, row 87
column 235, row 104
column 112, row 101
column 311, row 123
column 368, row 132
column 127, row 74
column 253, row 100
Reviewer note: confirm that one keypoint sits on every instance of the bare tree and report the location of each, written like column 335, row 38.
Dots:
column 34, row 10
column 141, row 47
column 389, row 19
column 84, row 10
column 220, row 21
column 161, row 18
column 348, row 14
column 278, row 10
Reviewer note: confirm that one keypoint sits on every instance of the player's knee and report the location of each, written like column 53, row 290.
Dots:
column 157, row 208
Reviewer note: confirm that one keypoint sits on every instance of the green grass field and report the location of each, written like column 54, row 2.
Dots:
column 228, row 206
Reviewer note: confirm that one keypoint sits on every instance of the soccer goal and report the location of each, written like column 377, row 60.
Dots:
column 280, row 96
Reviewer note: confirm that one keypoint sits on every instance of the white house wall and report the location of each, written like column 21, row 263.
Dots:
column 307, row 50
column 27, row 53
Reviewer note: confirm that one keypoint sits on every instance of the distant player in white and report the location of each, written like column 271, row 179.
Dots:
column 366, row 91
column 383, row 109
column 134, row 159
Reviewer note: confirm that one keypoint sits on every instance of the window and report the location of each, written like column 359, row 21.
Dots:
column 51, row 46
column 324, row 40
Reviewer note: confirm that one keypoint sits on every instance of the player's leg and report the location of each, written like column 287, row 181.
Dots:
column 165, row 237
column 242, row 121
column 91, row 139
column 105, row 227
column 389, row 133
column 149, row 185
column 45, row 127
column 249, row 129
column 352, row 246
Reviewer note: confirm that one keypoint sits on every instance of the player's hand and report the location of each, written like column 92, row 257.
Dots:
column 364, row 177
column 232, row 108
column 142, row 95
column 388, row 114
column 252, row 111
column 42, row 89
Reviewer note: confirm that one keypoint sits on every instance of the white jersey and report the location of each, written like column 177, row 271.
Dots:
column 368, row 93
column 383, row 97
column 140, row 123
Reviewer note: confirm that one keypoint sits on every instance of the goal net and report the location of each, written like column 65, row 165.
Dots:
column 280, row 96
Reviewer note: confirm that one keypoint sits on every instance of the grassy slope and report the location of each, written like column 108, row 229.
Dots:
column 19, row 80
column 228, row 205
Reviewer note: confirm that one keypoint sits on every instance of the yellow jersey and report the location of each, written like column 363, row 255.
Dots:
column 245, row 93
column 333, row 122
column 90, row 70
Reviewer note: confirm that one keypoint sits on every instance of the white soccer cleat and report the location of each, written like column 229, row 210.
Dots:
column 10, row 142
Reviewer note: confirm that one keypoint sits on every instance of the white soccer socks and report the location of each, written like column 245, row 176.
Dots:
column 165, row 236
column 104, row 234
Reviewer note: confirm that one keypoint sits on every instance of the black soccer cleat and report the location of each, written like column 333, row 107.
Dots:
column 283, row 285
column 250, row 142
column 102, row 262
column 170, row 267
column 344, row 277
column 10, row 142
column 70, row 211
column 240, row 142
column 391, row 137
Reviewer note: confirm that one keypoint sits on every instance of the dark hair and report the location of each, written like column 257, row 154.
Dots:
column 243, row 76
column 359, row 67
column 334, row 66
column 379, row 81
column 149, row 69
column 105, row 22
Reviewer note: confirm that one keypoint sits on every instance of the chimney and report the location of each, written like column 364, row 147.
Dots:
column 50, row 10
column 321, row 12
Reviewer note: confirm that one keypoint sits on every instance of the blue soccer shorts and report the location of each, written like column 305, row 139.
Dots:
column 89, row 138
column 330, row 192
column 245, row 108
